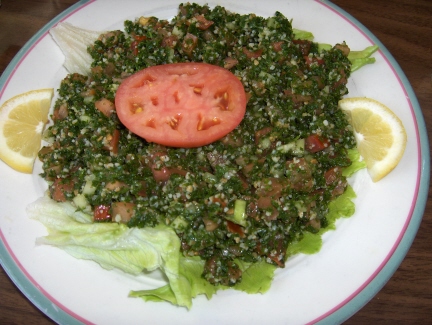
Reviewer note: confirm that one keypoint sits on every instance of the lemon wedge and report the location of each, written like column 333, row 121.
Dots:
column 380, row 135
column 22, row 121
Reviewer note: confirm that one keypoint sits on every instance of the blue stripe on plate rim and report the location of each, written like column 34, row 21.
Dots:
column 15, row 273
column 376, row 284
column 342, row 313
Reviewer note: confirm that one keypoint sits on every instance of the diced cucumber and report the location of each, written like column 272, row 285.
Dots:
column 296, row 147
column 239, row 216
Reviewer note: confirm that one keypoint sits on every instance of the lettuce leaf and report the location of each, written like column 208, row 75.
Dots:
column 73, row 41
column 256, row 277
column 367, row 52
column 358, row 59
column 113, row 245
column 311, row 243
column 189, row 285
column 134, row 250
column 342, row 206
column 356, row 164
column 302, row 34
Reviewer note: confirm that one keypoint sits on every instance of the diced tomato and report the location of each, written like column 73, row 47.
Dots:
column 112, row 141
column 252, row 54
column 339, row 189
column 220, row 201
column 169, row 41
column 299, row 172
column 189, row 44
column 59, row 189
column 140, row 38
column 105, row 106
column 134, row 44
column 230, row 62
column 320, row 82
column 101, row 213
column 210, row 225
column 134, row 48
column 264, row 202
column 123, row 210
column 144, row 188
column 163, row 174
column 203, row 23
column 315, row 143
column 311, row 60
column 297, row 98
column 342, row 81
column 60, row 112
column 262, row 133
column 344, row 48
column 115, row 186
column 277, row 46
column 332, row 175
column 303, row 45
column 275, row 190
column 277, row 260
column 182, row 104
column 235, row 228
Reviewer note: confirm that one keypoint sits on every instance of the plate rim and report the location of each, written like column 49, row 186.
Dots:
column 339, row 313
column 11, row 265
column 401, row 248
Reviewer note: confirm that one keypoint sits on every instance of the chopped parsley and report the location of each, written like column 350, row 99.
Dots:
column 243, row 198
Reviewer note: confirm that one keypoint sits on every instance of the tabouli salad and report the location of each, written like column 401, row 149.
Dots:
column 224, row 213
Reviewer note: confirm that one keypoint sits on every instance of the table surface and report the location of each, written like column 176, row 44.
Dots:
column 405, row 28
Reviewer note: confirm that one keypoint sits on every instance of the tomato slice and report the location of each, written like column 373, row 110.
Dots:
column 181, row 104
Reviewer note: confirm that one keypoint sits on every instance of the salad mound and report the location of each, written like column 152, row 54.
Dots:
column 226, row 214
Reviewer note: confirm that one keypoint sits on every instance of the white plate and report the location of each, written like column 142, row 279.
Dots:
column 355, row 261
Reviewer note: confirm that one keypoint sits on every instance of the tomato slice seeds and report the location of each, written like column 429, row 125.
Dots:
column 181, row 104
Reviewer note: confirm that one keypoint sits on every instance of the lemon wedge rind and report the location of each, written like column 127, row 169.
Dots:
column 22, row 121
column 380, row 134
